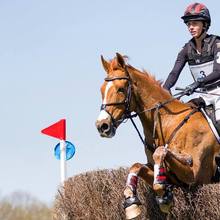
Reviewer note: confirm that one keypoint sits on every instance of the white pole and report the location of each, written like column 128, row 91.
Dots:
column 62, row 161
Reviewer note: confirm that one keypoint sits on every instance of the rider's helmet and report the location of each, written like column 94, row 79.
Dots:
column 197, row 12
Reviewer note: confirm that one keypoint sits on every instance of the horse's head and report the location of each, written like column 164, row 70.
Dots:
column 117, row 100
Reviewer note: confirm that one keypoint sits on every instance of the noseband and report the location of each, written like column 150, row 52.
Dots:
column 125, row 103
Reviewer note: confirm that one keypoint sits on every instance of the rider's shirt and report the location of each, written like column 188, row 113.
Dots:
column 205, row 64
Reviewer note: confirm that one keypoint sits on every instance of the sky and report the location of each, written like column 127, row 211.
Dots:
column 50, row 69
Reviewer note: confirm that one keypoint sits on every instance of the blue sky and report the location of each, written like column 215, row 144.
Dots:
column 50, row 69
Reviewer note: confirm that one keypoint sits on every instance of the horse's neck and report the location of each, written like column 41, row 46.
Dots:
column 148, row 94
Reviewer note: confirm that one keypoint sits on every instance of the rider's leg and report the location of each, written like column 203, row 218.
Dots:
column 217, row 110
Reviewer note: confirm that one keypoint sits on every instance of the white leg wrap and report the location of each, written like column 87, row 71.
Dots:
column 156, row 172
column 132, row 180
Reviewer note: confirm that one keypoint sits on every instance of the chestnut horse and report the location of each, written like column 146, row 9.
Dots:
column 180, row 147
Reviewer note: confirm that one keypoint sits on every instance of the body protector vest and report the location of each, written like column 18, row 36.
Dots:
column 201, row 65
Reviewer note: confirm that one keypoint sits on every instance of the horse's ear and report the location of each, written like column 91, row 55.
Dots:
column 120, row 60
column 105, row 64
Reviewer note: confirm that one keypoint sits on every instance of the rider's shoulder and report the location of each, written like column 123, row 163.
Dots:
column 186, row 45
column 189, row 43
column 215, row 39
column 212, row 38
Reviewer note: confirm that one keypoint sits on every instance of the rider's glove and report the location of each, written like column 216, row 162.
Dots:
column 192, row 87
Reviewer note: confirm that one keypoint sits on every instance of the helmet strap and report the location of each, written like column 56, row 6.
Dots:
column 204, row 30
column 202, row 35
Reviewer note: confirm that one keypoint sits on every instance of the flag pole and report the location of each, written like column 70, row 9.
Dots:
column 58, row 130
column 62, row 161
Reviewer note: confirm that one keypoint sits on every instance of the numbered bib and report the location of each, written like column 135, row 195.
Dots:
column 201, row 70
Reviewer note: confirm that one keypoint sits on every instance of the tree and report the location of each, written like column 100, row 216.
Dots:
column 22, row 206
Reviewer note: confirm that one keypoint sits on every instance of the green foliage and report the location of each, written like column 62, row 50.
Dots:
column 22, row 206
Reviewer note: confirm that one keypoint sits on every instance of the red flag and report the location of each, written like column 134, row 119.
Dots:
column 57, row 130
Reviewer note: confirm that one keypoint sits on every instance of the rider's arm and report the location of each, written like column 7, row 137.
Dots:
column 215, row 75
column 178, row 66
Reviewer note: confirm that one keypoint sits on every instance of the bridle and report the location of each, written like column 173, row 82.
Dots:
column 125, row 103
column 127, row 113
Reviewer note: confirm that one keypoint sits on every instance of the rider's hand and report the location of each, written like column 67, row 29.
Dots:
column 192, row 87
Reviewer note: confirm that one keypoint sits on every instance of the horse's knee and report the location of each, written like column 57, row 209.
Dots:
column 159, row 154
column 135, row 168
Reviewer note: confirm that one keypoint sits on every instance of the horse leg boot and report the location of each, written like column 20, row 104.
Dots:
column 132, row 202
column 164, row 192
column 159, row 171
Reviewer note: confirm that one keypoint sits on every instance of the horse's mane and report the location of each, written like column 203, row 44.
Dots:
column 151, row 78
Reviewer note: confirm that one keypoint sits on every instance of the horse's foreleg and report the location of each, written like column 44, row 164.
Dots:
column 160, row 186
column 132, row 201
column 180, row 162
column 159, row 170
column 185, row 159
column 182, row 165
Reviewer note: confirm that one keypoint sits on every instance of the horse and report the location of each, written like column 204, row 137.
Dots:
column 179, row 145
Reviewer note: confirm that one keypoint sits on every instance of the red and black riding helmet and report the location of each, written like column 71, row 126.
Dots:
column 197, row 12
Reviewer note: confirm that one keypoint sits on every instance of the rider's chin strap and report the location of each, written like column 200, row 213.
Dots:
column 203, row 34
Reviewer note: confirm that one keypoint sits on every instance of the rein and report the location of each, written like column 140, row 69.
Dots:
column 156, row 108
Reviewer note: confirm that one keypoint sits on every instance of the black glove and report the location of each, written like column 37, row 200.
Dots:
column 192, row 87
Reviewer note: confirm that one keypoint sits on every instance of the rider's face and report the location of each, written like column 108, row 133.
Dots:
column 195, row 28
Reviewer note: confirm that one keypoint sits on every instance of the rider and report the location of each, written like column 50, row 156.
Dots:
column 202, row 53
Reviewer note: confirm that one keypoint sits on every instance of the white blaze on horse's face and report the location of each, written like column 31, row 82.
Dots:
column 104, row 118
column 103, row 114
column 107, row 88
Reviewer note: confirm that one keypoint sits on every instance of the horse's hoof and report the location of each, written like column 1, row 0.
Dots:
column 165, row 202
column 131, row 206
column 132, row 211
column 164, row 205
column 165, row 208
column 159, row 189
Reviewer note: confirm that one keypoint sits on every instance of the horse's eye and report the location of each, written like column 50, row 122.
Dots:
column 121, row 90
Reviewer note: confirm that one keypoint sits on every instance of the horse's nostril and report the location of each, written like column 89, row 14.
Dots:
column 104, row 127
